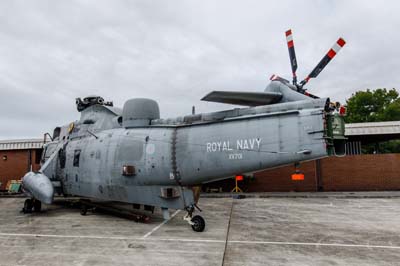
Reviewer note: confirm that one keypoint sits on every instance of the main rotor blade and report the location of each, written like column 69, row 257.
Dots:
column 292, row 54
column 325, row 60
column 310, row 95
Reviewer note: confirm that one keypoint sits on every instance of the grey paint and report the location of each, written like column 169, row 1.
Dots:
column 39, row 186
column 276, row 92
column 88, row 159
column 139, row 112
column 243, row 98
column 288, row 91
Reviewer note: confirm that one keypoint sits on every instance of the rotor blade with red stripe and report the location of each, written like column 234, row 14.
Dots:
column 310, row 95
column 292, row 54
column 325, row 60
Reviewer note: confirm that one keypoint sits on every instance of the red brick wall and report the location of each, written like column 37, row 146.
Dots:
column 361, row 172
column 16, row 165
column 349, row 173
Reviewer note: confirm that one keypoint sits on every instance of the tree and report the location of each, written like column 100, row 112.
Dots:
column 373, row 106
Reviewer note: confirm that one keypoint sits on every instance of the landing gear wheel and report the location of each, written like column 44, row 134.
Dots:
column 28, row 205
column 198, row 223
column 37, row 205
column 83, row 210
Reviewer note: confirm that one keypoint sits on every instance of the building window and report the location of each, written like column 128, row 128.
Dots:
column 77, row 155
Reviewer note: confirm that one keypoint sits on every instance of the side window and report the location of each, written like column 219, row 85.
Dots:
column 77, row 154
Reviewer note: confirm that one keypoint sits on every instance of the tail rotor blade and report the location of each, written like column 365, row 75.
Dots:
column 292, row 54
column 325, row 60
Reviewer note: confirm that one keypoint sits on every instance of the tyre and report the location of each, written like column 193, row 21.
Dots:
column 83, row 210
column 28, row 205
column 198, row 223
column 37, row 205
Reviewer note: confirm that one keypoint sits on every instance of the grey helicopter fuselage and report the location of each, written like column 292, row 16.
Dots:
column 134, row 156
column 131, row 155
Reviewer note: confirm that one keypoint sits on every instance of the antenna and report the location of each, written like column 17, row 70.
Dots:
column 292, row 55
column 324, row 61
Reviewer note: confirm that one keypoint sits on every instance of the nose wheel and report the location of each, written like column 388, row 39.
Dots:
column 28, row 206
column 32, row 204
column 197, row 222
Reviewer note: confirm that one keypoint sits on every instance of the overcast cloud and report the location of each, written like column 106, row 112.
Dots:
column 177, row 51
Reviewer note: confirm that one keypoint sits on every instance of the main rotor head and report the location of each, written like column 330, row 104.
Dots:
column 89, row 101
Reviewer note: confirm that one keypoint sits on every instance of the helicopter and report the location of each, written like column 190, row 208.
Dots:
column 133, row 156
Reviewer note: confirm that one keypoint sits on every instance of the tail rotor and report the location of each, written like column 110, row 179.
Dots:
column 318, row 68
column 324, row 61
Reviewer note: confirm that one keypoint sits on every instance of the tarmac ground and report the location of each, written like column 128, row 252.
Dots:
column 251, row 231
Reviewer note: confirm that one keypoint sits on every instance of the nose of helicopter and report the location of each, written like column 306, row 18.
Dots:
column 39, row 186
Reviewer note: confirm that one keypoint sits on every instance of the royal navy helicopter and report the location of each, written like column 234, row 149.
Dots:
column 133, row 156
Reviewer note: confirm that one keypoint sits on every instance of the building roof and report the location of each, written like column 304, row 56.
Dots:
column 21, row 144
column 373, row 128
column 373, row 132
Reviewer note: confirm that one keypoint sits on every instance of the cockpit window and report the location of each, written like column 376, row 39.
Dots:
column 56, row 132
column 77, row 155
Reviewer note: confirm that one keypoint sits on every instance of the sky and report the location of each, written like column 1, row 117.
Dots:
column 175, row 52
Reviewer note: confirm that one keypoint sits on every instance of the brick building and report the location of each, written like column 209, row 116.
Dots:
column 366, row 172
column 17, row 157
